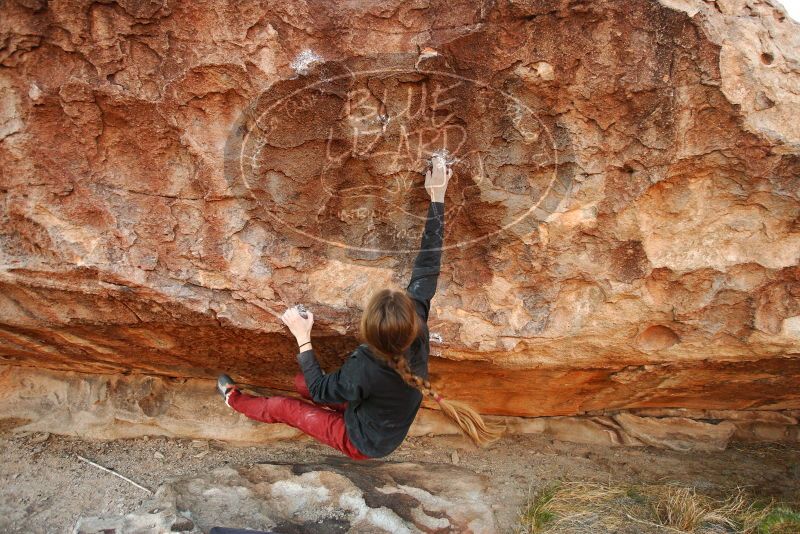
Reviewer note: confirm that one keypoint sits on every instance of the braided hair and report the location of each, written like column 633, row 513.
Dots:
column 389, row 325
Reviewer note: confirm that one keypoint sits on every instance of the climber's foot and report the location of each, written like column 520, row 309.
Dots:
column 225, row 385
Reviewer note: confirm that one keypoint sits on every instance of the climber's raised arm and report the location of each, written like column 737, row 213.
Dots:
column 425, row 273
column 369, row 410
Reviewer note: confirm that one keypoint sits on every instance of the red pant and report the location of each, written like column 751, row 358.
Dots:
column 323, row 424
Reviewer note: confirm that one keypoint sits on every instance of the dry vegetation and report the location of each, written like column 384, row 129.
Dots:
column 589, row 507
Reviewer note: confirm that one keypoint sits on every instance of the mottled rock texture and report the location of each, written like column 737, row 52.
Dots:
column 336, row 496
column 622, row 225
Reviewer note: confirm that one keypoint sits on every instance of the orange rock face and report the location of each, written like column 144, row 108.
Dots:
column 622, row 224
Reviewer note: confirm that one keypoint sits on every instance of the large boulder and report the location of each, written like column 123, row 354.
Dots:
column 622, row 226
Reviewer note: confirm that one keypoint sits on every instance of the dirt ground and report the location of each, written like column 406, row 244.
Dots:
column 45, row 487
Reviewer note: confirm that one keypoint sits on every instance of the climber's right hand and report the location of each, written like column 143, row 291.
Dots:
column 436, row 179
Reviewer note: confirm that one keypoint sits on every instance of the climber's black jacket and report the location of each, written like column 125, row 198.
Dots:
column 381, row 406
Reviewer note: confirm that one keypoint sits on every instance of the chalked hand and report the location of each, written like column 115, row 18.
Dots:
column 437, row 177
column 299, row 320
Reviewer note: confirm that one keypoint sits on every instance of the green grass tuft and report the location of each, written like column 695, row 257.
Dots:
column 536, row 516
column 780, row 521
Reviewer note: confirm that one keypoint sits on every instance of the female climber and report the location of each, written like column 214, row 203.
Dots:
column 366, row 407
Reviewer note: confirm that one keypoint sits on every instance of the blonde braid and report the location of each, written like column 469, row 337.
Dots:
column 468, row 420
column 400, row 364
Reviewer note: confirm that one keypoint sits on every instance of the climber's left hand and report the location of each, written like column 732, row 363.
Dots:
column 299, row 327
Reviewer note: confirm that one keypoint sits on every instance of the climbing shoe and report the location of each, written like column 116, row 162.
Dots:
column 224, row 385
